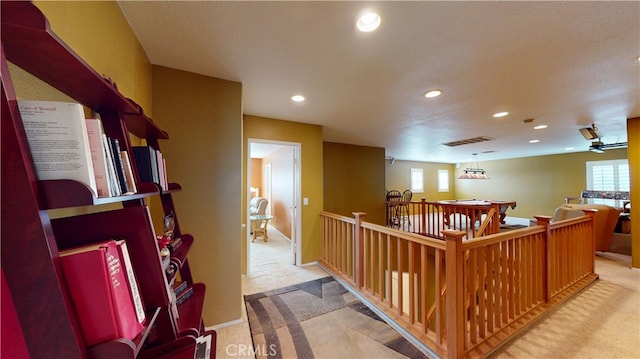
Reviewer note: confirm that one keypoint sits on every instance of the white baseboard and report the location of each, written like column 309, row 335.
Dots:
column 309, row 264
column 224, row 325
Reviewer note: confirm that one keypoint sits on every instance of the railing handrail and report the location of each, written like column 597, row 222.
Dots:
column 416, row 238
column 445, row 291
column 338, row 216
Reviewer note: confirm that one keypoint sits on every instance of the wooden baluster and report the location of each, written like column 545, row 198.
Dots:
column 359, row 263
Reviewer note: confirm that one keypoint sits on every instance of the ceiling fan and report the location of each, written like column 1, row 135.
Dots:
column 591, row 133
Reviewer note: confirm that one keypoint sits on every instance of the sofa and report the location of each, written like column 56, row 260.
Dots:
column 606, row 219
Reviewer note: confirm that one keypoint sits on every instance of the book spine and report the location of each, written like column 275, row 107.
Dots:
column 117, row 160
column 115, row 184
column 154, row 165
column 100, row 169
column 128, row 172
column 143, row 162
column 184, row 295
column 131, row 280
column 178, row 287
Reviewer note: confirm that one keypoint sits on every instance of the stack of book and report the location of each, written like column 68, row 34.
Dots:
column 151, row 165
column 65, row 145
column 103, row 288
column 182, row 291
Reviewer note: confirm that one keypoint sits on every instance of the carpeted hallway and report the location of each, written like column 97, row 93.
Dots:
column 601, row 322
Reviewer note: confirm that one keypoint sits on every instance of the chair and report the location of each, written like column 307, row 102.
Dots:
column 258, row 205
column 393, row 207
column 404, row 207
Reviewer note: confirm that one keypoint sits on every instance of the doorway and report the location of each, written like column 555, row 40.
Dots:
column 273, row 172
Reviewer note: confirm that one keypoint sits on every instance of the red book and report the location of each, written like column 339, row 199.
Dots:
column 97, row 284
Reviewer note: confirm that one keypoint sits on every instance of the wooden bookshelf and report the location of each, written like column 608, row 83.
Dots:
column 31, row 240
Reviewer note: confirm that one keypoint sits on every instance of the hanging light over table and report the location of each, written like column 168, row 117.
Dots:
column 474, row 172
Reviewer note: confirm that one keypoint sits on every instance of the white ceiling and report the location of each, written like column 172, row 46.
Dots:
column 563, row 64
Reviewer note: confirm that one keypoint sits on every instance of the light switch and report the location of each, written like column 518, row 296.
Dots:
column 305, row 201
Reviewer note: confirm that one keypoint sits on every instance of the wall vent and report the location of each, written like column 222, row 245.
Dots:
column 467, row 141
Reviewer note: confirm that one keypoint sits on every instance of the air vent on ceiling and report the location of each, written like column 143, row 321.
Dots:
column 467, row 141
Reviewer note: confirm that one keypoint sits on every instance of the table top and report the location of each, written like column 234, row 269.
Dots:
column 258, row 217
column 476, row 202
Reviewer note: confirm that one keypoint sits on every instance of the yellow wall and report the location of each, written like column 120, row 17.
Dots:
column 354, row 180
column 633, row 135
column 310, row 137
column 203, row 116
column 538, row 184
column 99, row 33
column 399, row 178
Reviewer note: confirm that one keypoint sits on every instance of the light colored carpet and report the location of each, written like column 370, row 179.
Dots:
column 601, row 322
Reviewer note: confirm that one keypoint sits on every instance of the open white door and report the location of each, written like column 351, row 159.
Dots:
column 296, row 208
column 295, row 205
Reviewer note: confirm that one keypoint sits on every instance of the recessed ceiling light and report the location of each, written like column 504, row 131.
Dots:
column 368, row 22
column 569, row 148
column 500, row 114
column 433, row 93
column 297, row 98
column 637, row 60
column 540, row 127
column 534, row 141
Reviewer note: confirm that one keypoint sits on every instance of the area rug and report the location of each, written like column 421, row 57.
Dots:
column 320, row 319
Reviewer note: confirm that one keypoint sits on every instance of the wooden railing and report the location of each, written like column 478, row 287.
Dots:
column 460, row 298
column 431, row 218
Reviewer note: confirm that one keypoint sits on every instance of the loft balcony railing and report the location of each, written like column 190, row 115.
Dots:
column 457, row 297
column 431, row 218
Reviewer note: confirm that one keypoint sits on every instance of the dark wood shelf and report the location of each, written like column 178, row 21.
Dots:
column 173, row 187
column 68, row 193
column 190, row 320
column 122, row 348
column 26, row 31
column 32, row 240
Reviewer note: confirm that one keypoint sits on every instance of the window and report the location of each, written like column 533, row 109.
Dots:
column 608, row 176
column 443, row 181
column 417, row 180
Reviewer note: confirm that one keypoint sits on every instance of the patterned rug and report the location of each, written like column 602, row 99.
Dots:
column 320, row 319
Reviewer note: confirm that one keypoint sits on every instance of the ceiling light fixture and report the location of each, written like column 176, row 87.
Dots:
column 474, row 172
column 297, row 98
column 534, row 141
column 540, row 127
column 433, row 93
column 368, row 22
column 500, row 114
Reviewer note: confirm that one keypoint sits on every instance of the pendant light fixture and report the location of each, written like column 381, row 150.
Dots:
column 474, row 172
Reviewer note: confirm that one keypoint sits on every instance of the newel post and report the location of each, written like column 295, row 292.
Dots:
column 544, row 221
column 592, row 215
column 358, row 249
column 455, row 297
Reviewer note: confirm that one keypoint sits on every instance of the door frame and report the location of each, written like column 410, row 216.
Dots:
column 296, row 223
